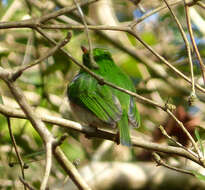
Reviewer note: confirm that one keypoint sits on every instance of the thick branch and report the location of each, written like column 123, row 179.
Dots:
column 90, row 131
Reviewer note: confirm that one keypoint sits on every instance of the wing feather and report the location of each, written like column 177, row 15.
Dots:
column 99, row 99
column 133, row 114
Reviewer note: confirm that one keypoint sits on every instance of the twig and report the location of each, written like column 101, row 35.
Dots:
column 18, row 73
column 193, row 94
column 20, row 160
column 160, row 8
column 193, row 41
column 176, row 142
column 26, row 184
column 62, row 11
column 70, row 169
column 93, row 63
column 201, row 4
column 165, row 61
column 48, row 164
column 60, row 141
column 180, row 124
column 30, row 23
column 191, row 3
column 160, row 162
column 187, row 47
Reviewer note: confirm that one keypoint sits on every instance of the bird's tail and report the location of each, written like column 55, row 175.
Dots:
column 124, row 131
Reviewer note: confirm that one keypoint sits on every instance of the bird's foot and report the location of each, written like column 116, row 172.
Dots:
column 93, row 131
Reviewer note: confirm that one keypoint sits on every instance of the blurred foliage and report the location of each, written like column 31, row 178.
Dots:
column 45, row 84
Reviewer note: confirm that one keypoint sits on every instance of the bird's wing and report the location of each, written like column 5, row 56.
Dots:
column 99, row 99
column 133, row 114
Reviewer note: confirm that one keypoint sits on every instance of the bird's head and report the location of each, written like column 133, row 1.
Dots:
column 98, row 55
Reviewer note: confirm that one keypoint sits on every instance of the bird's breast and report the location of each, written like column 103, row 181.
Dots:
column 87, row 117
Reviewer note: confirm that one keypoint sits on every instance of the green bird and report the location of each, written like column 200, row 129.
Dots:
column 101, row 105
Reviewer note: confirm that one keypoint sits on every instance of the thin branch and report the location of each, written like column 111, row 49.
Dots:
column 26, row 184
column 30, row 23
column 163, row 131
column 134, row 33
column 191, row 3
column 37, row 124
column 48, row 164
column 160, row 8
column 70, row 169
column 160, row 162
column 20, row 160
column 150, row 13
column 187, row 47
column 68, row 166
column 93, row 63
column 193, row 94
column 193, row 42
column 180, row 124
column 18, row 73
column 63, row 11
column 82, row 27
column 60, row 141
column 201, row 4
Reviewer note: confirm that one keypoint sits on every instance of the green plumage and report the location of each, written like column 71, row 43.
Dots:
column 100, row 105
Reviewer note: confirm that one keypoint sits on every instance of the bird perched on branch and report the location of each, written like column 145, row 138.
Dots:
column 100, row 105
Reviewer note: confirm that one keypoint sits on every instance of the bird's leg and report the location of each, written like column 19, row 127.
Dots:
column 117, row 138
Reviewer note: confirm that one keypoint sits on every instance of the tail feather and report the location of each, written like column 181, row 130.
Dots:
column 124, row 131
